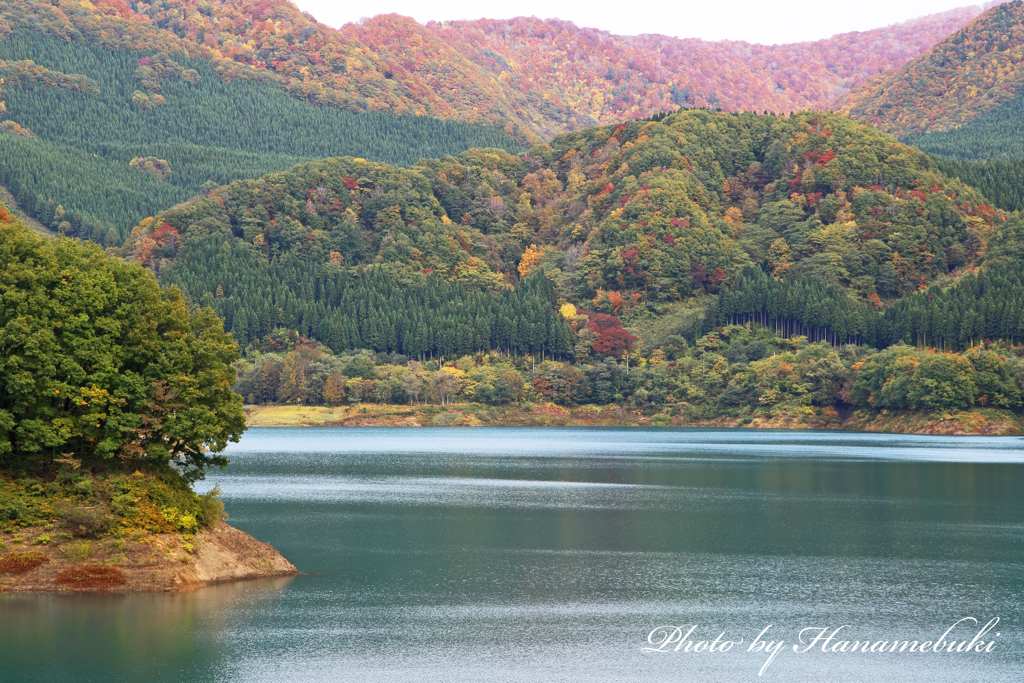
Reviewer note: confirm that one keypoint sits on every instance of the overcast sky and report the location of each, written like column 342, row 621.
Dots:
column 757, row 21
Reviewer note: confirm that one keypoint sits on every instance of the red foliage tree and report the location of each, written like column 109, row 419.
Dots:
column 612, row 339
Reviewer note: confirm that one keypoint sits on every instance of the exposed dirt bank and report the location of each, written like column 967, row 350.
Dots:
column 35, row 559
column 981, row 421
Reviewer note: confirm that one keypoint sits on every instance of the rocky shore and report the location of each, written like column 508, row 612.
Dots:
column 35, row 559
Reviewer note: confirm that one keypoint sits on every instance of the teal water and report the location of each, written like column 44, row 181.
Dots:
column 536, row 555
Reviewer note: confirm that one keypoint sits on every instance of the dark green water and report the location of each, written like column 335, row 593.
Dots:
column 540, row 555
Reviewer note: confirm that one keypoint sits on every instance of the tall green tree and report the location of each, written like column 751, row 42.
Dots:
column 99, row 364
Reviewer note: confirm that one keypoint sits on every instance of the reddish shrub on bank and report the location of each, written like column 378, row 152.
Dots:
column 91, row 576
column 19, row 563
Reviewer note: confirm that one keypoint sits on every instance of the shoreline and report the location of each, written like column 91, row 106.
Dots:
column 154, row 563
column 977, row 422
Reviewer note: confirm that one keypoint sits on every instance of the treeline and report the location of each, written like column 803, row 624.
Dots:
column 735, row 371
column 820, row 311
column 348, row 310
column 983, row 305
column 987, row 305
column 86, row 138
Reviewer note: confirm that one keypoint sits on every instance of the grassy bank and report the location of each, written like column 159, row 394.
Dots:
column 136, row 532
column 978, row 421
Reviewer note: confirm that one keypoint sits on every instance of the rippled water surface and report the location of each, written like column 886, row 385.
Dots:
column 541, row 555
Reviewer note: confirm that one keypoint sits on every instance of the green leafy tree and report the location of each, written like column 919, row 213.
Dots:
column 98, row 363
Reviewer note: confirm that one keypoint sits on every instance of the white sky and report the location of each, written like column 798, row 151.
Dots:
column 756, row 21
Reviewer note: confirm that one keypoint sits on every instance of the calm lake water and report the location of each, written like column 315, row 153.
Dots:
column 540, row 555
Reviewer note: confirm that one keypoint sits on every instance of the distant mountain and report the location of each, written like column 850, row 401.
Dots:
column 971, row 73
column 536, row 78
column 605, row 78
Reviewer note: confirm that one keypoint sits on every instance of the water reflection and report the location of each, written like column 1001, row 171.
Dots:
column 59, row 637
column 548, row 555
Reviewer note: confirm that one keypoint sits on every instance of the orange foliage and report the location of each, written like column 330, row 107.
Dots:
column 616, row 300
column 534, row 77
column 970, row 72
column 21, row 562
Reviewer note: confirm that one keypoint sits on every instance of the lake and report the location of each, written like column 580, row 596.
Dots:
column 559, row 554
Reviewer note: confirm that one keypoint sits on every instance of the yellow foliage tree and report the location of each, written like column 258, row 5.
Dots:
column 568, row 311
column 531, row 258
column 778, row 259
column 734, row 217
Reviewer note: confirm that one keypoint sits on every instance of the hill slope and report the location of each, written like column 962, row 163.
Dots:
column 644, row 213
column 85, row 113
column 737, row 267
column 606, row 78
column 534, row 77
column 976, row 70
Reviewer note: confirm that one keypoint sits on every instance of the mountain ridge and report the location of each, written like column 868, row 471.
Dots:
column 394, row 64
column 970, row 73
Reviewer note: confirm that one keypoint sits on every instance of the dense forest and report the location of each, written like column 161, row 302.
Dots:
column 90, row 112
column 534, row 78
column 974, row 71
column 89, row 89
column 374, row 311
column 996, row 134
column 667, row 243
column 650, row 211
column 986, row 153
column 576, row 76
column 103, row 369
column 699, row 262
column 1000, row 180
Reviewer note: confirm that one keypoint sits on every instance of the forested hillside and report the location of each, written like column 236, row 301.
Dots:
column 535, row 78
column 612, row 78
column 996, row 134
column 703, row 262
column 978, row 69
column 623, row 221
column 85, row 113
column 140, row 102
column 1001, row 180
column 986, row 153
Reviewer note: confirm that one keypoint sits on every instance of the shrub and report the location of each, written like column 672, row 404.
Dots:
column 91, row 576
column 79, row 550
column 13, row 510
column 445, row 419
column 85, row 522
column 211, row 508
column 21, row 562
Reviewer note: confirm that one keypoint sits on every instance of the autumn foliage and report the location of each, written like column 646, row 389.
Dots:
column 612, row 339
column 531, row 258
column 975, row 70
column 21, row 562
column 535, row 77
